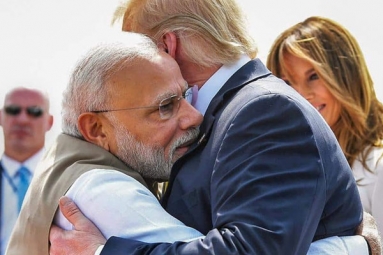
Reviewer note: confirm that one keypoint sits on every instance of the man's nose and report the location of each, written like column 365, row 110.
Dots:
column 23, row 116
column 189, row 116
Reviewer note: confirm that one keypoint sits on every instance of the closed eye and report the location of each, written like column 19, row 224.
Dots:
column 167, row 105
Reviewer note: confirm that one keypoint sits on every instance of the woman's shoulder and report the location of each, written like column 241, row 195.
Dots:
column 374, row 159
column 374, row 162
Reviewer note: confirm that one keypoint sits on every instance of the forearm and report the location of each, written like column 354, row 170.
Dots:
column 213, row 243
column 118, row 205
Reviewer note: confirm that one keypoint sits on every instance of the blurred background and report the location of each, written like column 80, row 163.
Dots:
column 41, row 40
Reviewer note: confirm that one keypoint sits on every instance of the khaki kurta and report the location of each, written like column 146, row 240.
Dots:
column 65, row 161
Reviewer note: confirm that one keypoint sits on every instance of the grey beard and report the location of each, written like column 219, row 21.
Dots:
column 149, row 161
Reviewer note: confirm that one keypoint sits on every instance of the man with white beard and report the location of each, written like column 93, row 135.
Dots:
column 125, row 122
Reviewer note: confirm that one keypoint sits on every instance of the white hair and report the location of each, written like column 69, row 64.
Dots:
column 88, row 86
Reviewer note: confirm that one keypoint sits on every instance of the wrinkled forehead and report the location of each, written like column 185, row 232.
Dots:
column 146, row 81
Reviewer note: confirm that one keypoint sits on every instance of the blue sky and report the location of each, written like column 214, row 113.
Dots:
column 42, row 39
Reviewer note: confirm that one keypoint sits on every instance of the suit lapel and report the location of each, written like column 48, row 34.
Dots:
column 251, row 71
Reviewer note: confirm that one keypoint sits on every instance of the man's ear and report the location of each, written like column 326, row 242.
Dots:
column 49, row 122
column 169, row 44
column 92, row 128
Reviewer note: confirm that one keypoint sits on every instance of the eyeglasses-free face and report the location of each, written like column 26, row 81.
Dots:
column 168, row 107
column 303, row 77
column 32, row 111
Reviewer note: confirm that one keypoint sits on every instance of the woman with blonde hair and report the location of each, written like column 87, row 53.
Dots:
column 324, row 63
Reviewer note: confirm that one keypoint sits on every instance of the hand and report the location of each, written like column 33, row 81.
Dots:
column 369, row 231
column 83, row 240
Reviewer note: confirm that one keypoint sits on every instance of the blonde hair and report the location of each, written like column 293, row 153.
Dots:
column 211, row 31
column 339, row 62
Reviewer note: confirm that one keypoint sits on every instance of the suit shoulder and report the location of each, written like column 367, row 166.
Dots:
column 273, row 85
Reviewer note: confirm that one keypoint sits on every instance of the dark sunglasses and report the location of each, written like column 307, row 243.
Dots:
column 33, row 111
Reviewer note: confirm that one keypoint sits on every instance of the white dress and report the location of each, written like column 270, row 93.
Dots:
column 370, row 185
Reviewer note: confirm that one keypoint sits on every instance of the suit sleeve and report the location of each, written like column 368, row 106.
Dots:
column 119, row 205
column 267, row 188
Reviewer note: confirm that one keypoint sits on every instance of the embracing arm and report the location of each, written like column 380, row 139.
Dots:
column 90, row 238
column 268, row 189
column 269, row 200
column 118, row 205
column 121, row 206
column 84, row 231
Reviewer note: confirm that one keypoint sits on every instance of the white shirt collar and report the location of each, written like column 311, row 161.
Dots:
column 12, row 165
column 216, row 81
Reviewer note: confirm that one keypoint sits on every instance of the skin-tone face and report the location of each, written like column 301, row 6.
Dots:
column 147, row 84
column 24, row 134
column 304, row 79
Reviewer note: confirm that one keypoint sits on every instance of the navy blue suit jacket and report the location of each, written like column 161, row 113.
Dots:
column 266, row 177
